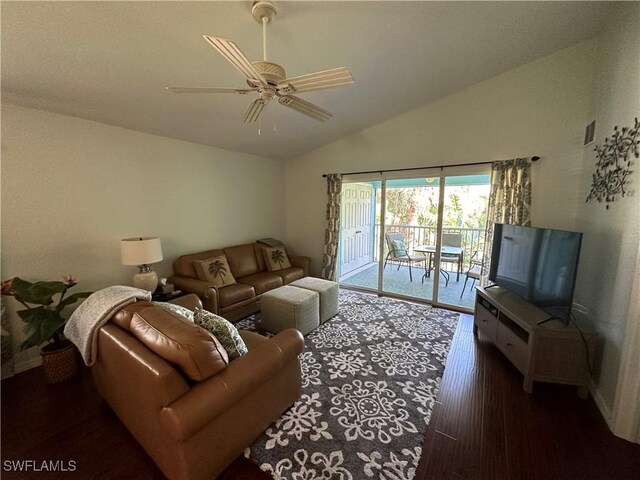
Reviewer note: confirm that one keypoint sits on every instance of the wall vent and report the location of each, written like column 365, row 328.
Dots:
column 590, row 133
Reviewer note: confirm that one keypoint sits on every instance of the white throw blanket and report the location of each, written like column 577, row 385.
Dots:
column 85, row 322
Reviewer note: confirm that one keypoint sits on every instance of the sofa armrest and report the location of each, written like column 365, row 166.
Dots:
column 190, row 301
column 207, row 292
column 252, row 339
column 207, row 400
column 302, row 262
column 150, row 379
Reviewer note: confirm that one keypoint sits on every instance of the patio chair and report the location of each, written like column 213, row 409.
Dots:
column 452, row 240
column 474, row 272
column 398, row 252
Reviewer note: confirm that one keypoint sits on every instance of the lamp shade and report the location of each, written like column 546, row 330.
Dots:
column 140, row 250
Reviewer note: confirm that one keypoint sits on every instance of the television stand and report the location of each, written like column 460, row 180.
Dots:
column 543, row 349
column 545, row 320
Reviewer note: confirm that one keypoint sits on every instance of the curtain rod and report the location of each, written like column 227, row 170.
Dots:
column 535, row 158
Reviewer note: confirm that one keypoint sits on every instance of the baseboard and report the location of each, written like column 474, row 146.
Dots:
column 7, row 372
column 602, row 406
column 27, row 364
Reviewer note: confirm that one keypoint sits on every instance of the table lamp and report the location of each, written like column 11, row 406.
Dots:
column 142, row 251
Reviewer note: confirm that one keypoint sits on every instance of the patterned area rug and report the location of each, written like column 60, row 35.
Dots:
column 370, row 377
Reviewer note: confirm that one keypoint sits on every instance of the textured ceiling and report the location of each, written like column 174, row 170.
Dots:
column 111, row 61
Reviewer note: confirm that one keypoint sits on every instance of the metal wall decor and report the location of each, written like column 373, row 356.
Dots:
column 614, row 164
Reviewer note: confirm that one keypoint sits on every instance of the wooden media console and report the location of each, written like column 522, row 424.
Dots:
column 542, row 349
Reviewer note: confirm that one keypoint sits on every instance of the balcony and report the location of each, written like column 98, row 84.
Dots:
column 396, row 276
column 415, row 235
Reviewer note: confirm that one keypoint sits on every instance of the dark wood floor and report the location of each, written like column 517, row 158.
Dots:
column 484, row 426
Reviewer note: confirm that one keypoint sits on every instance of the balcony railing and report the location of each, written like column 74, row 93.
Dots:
column 414, row 235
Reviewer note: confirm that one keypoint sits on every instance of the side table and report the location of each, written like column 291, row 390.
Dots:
column 165, row 297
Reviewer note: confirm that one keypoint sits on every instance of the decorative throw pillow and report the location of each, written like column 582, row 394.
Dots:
column 223, row 330
column 215, row 270
column 276, row 258
column 399, row 247
column 179, row 309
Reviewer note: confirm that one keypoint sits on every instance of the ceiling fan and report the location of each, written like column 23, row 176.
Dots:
column 269, row 79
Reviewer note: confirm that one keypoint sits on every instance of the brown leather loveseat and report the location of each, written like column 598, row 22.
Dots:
column 248, row 266
column 192, row 429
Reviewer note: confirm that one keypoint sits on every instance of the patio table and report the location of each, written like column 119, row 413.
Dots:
column 445, row 250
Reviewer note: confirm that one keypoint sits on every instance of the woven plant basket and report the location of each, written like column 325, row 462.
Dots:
column 59, row 363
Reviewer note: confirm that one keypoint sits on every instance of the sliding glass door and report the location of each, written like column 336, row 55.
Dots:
column 410, row 225
column 414, row 238
column 464, row 217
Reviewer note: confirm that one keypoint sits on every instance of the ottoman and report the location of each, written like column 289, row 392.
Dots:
column 328, row 292
column 290, row 307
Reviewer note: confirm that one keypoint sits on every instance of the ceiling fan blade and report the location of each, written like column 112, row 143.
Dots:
column 304, row 107
column 254, row 111
column 316, row 81
column 232, row 53
column 241, row 91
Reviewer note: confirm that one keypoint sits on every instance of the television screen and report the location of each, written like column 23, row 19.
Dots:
column 538, row 264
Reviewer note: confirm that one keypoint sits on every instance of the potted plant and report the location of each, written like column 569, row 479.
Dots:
column 44, row 323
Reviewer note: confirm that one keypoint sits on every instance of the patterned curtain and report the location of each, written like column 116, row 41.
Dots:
column 509, row 201
column 330, row 257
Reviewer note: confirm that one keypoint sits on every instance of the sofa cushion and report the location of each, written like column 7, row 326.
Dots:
column 258, row 248
column 192, row 349
column 215, row 270
column 223, row 330
column 235, row 293
column 183, row 265
column 263, row 281
column 242, row 259
column 276, row 258
column 290, row 274
column 123, row 317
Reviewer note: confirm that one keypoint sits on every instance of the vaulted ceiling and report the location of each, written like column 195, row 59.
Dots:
column 111, row 61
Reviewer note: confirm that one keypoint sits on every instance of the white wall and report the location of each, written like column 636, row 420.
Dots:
column 541, row 109
column 537, row 109
column 71, row 189
column 611, row 237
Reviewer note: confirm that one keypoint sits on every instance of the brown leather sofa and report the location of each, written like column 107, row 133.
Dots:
column 193, row 429
column 247, row 265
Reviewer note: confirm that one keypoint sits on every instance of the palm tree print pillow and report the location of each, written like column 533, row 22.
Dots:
column 215, row 270
column 276, row 258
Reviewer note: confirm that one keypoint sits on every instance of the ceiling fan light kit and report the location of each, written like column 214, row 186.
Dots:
column 269, row 79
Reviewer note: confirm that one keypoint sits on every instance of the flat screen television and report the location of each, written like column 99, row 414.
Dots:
column 537, row 264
